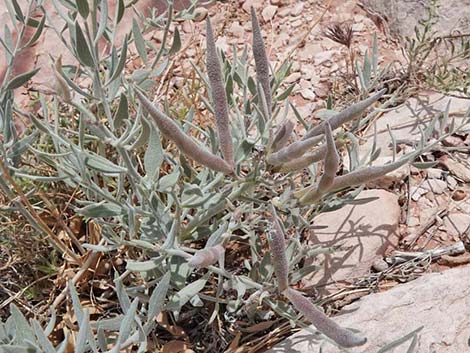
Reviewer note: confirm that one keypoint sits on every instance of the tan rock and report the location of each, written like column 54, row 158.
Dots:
column 438, row 302
column 361, row 233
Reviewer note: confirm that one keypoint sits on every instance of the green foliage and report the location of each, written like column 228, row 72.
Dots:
column 164, row 199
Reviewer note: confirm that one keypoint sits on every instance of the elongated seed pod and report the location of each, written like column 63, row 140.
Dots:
column 282, row 135
column 219, row 96
column 346, row 115
column 184, row 142
column 307, row 159
column 261, row 60
column 278, row 252
column 323, row 323
column 331, row 166
column 207, row 256
column 364, row 175
column 61, row 86
column 356, row 177
column 293, row 151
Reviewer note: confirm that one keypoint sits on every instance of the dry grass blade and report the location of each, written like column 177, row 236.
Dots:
column 323, row 323
column 342, row 34
column 261, row 60
column 184, row 142
column 346, row 115
column 219, row 96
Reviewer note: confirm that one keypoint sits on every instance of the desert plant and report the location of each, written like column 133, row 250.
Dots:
column 179, row 214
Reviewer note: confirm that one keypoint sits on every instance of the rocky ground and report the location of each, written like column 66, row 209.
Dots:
column 418, row 222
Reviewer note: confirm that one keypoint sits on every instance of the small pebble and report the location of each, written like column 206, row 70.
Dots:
column 380, row 265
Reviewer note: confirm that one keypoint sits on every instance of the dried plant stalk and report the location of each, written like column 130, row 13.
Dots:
column 356, row 177
column 323, row 323
column 206, row 257
column 261, row 60
column 346, row 115
column 184, row 142
column 61, row 86
column 219, row 96
column 278, row 252
column 282, row 135
column 293, row 151
column 331, row 166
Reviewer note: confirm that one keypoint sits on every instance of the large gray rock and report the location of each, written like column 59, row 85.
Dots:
column 439, row 301
column 407, row 120
column 402, row 16
column 361, row 234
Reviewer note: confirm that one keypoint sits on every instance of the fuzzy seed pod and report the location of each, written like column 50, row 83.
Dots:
column 346, row 115
column 323, row 323
column 282, row 135
column 293, row 151
column 331, row 166
column 261, row 60
column 206, row 257
column 356, row 177
column 364, row 175
column 61, row 86
column 219, row 96
column 184, row 142
column 278, row 252
column 307, row 159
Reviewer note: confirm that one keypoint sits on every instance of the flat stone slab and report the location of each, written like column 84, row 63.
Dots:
column 360, row 234
column 406, row 121
column 438, row 301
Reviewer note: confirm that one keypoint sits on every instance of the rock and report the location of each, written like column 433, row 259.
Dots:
column 293, row 77
column 297, row 9
column 406, row 121
column 453, row 16
column 416, row 192
column 440, row 302
column 456, row 168
column 269, row 12
column 237, row 30
column 458, row 224
column 249, row 3
column 200, row 14
column 307, row 94
column 361, row 234
column 380, row 265
column 322, row 57
column 296, row 23
column 434, row 173
column 434, row 185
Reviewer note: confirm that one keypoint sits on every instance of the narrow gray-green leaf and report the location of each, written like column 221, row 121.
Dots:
column 122, row 60
column 139, row 41
column 103, row 20
column 153, row 157
column 122, row 112
column 158, row 297
column 176, row 46
column 101, row 210
column 82, row 49
column 83, row 8
column 21, row 79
